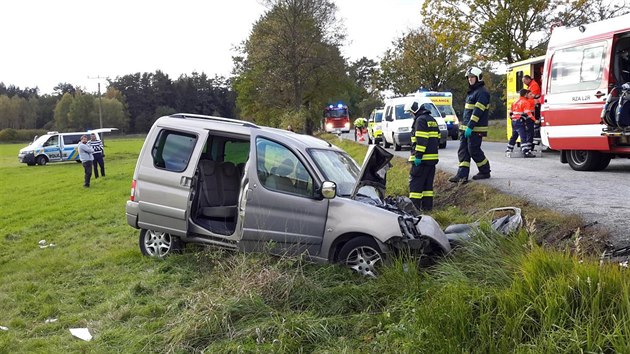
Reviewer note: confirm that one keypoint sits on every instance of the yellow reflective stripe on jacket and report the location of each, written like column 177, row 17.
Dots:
column 415, row 195
column 412, row 158
column 429, row 157
column 413, row 139
column 481, row 106
column 421, row 148
column 434, row 134
column 469, row 106
column 464, row 164
column 427, row 194
column 420, row 134
column 480, row 129
column 474, row 118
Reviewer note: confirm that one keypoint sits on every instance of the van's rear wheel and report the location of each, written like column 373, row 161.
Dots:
column 362, row 255
column 587, row 160
column 158, row 244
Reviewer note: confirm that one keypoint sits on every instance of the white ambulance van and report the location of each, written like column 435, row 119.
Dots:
column 56, row 147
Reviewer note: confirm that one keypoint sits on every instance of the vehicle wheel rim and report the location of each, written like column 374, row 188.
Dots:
column 157, row 244
column 579, row 156
column 364, row 260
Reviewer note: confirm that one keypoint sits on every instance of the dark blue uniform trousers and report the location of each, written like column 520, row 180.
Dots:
column 471, row 148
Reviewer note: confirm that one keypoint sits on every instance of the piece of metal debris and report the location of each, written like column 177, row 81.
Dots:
column 81, row 333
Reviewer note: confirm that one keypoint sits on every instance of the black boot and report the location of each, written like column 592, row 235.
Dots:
column 481, row 176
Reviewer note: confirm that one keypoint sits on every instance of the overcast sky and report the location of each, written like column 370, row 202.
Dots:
column 48, row 42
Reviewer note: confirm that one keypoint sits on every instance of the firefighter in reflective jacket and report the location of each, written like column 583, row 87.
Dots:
column 520, row 113
column 424, row 156
column 473, row 128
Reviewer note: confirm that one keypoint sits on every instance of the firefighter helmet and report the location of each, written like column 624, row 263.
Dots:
column 413, row 107
column 475, row 71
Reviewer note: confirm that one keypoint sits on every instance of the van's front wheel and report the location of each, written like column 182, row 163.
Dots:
column 362, row 255
column 158, row 244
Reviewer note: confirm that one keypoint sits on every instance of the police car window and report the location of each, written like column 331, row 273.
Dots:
column 172, row 150
column 53, row 141
column 577, row 68
column 71, row 139
column 378, row 117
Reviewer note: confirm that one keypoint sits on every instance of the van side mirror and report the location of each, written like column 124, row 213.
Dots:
column 329, row 189
column 389, row 119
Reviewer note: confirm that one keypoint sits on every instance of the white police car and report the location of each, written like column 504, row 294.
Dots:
column 55, row 147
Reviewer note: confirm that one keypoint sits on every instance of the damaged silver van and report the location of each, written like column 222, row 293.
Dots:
column 233, row 184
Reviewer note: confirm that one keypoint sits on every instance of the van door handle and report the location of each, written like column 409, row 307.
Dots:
column 599, row 94
column 185, row 181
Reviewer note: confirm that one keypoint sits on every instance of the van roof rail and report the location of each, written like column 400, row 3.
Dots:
column 218, row 119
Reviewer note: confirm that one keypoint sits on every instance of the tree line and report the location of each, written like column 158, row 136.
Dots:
column 290, row 67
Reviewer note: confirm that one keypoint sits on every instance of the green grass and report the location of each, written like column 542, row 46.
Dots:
column 533, row 291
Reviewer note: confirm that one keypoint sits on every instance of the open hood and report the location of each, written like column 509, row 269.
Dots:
column 374, row 170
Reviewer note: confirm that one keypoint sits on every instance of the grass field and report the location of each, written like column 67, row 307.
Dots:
column 534, row 291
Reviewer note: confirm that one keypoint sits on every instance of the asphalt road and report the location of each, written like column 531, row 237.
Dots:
column 602, row 196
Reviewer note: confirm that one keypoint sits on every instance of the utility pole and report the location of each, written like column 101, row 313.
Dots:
column 100, row 106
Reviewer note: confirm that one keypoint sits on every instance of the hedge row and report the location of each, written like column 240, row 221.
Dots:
column 10, row 135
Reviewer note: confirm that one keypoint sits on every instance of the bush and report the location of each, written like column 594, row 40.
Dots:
column 10, row 135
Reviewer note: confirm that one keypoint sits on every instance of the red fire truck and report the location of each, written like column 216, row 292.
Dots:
column 336, row 118
column 584, row 68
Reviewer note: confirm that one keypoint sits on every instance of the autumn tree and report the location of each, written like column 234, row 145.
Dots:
column 418, row 60
column 510, row 30
column 61, row 112
column 291, row 61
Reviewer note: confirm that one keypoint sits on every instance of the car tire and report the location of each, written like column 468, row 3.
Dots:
column 443, row 145
column 41, row 160
column 587, row 160
column 362, row 255
column 158, row 244
column 386, row 145
column 454, row 137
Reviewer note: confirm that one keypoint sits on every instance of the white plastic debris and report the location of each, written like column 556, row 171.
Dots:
column 51, row 320
column 42, row 242
column 81, row 333
column 4, row 328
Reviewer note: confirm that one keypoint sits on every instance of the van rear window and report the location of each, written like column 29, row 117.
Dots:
column 577, row 68
column 71, row 139
column 172, row 150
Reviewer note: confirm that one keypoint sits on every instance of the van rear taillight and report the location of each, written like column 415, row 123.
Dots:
column 132, row 197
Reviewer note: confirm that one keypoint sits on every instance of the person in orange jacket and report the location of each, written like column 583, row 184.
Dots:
column 520, row 113
column 534, row 95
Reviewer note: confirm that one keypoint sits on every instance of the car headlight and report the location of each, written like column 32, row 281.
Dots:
column 329, row 126
column 347, row 125
column 404, row 129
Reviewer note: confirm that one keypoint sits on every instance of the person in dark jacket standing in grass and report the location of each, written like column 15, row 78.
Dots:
column 99, row 153
column 85, row 155
column 425, row 156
